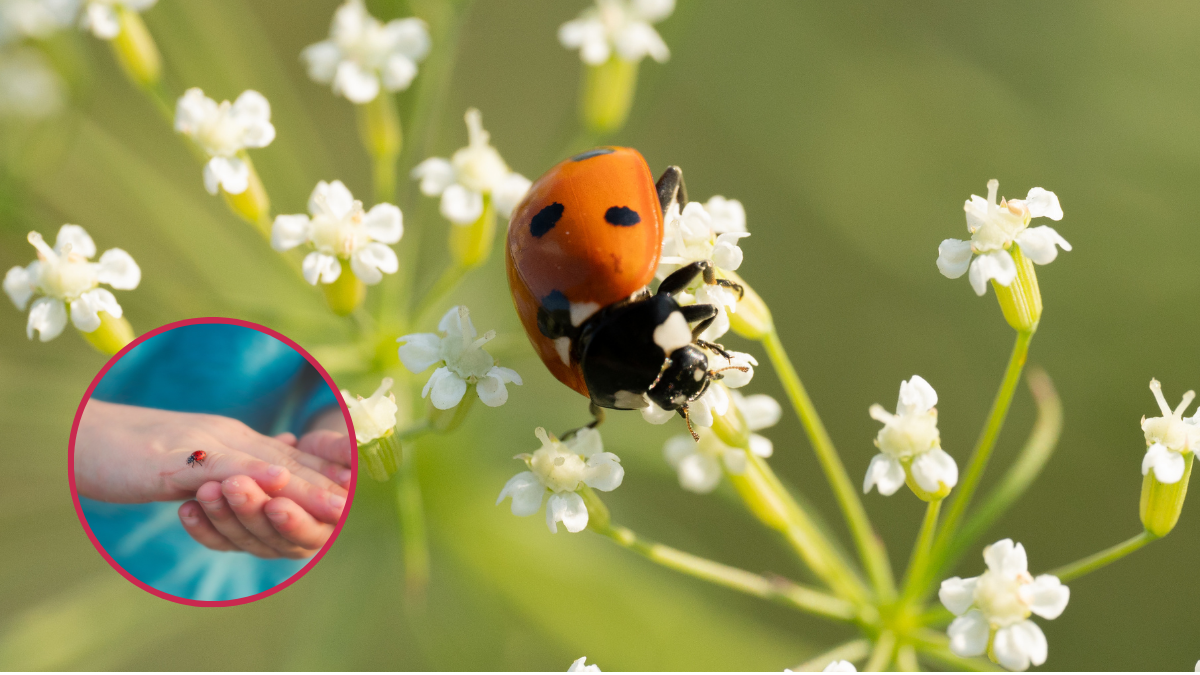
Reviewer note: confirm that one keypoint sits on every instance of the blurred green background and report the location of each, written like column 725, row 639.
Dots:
column 852, row 132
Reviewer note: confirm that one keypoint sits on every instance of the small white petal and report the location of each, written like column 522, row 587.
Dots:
column 638, row 39
column 698, row 473
column 322, row 59
column 677, row 448
column 288, row 232
column 320, row 267
column 77, row 238
column 840, row 667
column 356, row 83
column 1169, row 467
column 727, row 254
column 85, row 310
column 997, row 265
column 47, row 316
column 969, row 634
column 761, row 446
column 735, row 460
column 509, row 193
column 569, row 508
column 586, row 442
column 445, row 389
column 1046, row 596
column 916, row 395
column 409, row 37
column 954, row 256
column 491, row 391
column 728, row 215
column 957, row 594
column 117, row 269
column 760, row 411
column 578, row 666
column 102, row 19
column 1039, row 244
column 460, row 205
column 398, row 72
column 700, row 412
column 436, row 174
column 1019, row 645
column 1043, row 203
column 1006, row 558
column 253, row 110
column 19, row 285
column 604, row 472
column 526, row 492
column 338, row 199
column 384, row 223
column 933, row 469
column 419, row 351
column 656, row 415
column 884, row 472
column 372, row 261
column 231, row 173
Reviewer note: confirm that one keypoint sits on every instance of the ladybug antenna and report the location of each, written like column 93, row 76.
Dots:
column 688, row 418
column 716, row 374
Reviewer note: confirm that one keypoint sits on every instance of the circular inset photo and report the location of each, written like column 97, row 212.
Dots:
column 211, row 462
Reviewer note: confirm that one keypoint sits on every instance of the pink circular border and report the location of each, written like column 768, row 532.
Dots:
column 75, row 493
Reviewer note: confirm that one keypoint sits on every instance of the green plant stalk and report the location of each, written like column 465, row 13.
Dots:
column 379, row 131
column 413, row 536
column 854, row 650
column 775, row 589
column 921, row 550
column 983, row 448
column 906, row 659
column 881, row 655
column 1097, row 560
column 870, row 546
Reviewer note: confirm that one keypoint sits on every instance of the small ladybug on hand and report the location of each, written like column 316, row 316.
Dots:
column 197, row 457
column 583, row 247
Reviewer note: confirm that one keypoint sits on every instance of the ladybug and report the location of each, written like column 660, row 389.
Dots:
column 197, row 457
column 582, row 248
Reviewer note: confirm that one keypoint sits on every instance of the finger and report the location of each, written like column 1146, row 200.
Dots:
column 332, row 446
column 308, row 467
column 324, row 505
column 287, row 438
column 219, row 463
column 226, row 521
column 296, row 525
column 191, row 514
column 247, row 501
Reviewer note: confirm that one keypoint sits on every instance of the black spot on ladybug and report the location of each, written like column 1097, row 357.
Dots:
column 545, row 219
column 622, row 216
column 554, row 316
column 591, row 153
column 556, row 300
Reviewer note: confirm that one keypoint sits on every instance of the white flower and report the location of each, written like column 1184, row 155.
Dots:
column 101, row 15
column 464, row 362
column 222, row 130
column 994, row 229
column 471, row 174
column 699, row 463
column 622, row 26
column 558, row 469
column 340, row 229
column 995, row 608
column 361, row 53
column 839, row 667
column 910, row 442
column 373, row 417
column 37, row 19
column 68, row 280
column 1169, row 438
column 578, row 666
column 29, row 85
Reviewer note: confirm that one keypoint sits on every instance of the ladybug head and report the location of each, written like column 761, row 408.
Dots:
column 683, row 380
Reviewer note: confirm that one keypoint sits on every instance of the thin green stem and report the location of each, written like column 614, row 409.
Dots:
column 445, row 284
column 983, row 447
column 881, row 655
column 413, row 537
column 906, row 659
column 870, row 546
column 852, row 651
column 776, row 589
column 1097, row 560
column 920, row 554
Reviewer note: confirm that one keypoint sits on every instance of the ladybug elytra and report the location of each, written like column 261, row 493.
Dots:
column 583, row 246
column 197, row 457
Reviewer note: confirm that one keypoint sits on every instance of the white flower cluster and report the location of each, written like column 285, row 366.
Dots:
column 68, row 279
column 558, row 469
column 1169, row 438
column 101, row 16
column 580, row 666
column 994, row 229
column 464, row 362
column 363, row 54
column 621, row 26
column 993, row 609
column 715, row 401
column 375, row 416
column 222, row 130
column 471, row 174
column 338, row 230
column 909, row 442
column 699, row 464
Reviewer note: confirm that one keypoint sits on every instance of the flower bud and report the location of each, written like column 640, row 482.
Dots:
column 445, row 421
column 251, row 205
column 607, row 94
column 1021, row 301
column 752, row 320
column 599, row 518
column 921, row 493
column 135, row 49
column 112, row 335
column 471, row 244
column 346, row 293
column 1161, row 503
column 381, row 456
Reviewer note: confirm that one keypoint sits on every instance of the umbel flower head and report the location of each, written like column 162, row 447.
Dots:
column 68, row 280
column 714, row 402
column 222, row 130
column 621, row 26
column 472, row 173
column 910, row 446
column 363, row 53
column 559, row 469
column 993, row 609
column 36, row 19
column 995, row 228
column 464, row 362
column 339, row 229
column 1170, row 438
column 373, row 417
column 100, row 16
column 699, row 463
column 580, row 666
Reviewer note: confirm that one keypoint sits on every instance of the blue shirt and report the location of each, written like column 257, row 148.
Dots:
column 219, row 369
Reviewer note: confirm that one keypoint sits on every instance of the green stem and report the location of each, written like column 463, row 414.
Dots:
column 906, row 659
column 920, row 554
column 1097, row 560
column 984, row 446
column 870, row 546
column 881, row 656
column 775, row 589
column 446, row 283
column 413, row 536
column 854, row 650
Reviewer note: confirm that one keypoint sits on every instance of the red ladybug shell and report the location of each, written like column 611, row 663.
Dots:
column 197, row 457
column 591, row 229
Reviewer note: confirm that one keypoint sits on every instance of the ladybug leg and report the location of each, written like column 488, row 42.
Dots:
column 684, row 276
column 597, row 419
column 705, row 314
column 670, row 188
